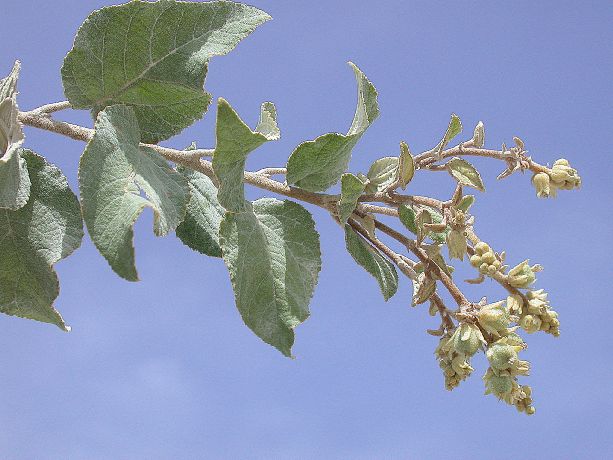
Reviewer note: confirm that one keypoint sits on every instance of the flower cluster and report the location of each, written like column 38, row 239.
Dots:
column 536, row 314
column 523, row 275
column 454, row 352
column 560, row 176
column 485, row 259
column 505, row 366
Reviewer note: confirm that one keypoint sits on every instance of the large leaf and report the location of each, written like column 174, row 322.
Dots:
column 200, row 228
column 373, row 262
column 273, row 256
column 351, row 189
column 153, row 56
column 112, row 172
column 48, row 228
column 465, row 173
column 317, row 165
column 235, row 140
column 14, row 178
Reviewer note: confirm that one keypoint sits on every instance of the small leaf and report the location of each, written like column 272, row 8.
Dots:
column 200, row 228
column 235, row 140
column 47, row 229
column 112, row 172
column 318, row 164
column 351, row 189
column 406, row 166
column 465, row 203
column 373, row 262
column 465, row 173
column 479, row 135
column 382, row 173
column 454, row 128
column 423, row 289
column 153, row 57
column 273, row 256
column 407, row 217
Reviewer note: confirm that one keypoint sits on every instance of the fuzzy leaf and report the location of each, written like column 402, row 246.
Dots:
column 373, row 262
column 382, row 173
column 235, row 140
column 453, row 129
column 153, row 56
column 318, row 164
column 406, row 165
column 47, row 229
column 14, row 178
column 112, row 172
column 465, row 173
column 465, row 203
column 273, row 256
column 407, row 217
column 200, row 228
column 423, row 289
column 351, row 189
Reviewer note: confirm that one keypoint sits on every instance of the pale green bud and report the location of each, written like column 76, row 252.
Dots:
column 461, row 366
column 456, row 244
column 537, row 307
column 475, row 260
column 522, row 275
column 494, row 318
column 541, row 184
column 467, row 339
column 482, row 248
column 502, row 356
column 530, row 323
column 498, row 385
column 561, row 162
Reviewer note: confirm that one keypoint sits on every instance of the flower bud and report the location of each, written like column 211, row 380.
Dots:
column 515, row 304
column 561, row 162
column 530, row 323
column 522, row 275
column 502, row 356
column 466, row 339
column 499, row 386
column 541, row 184
column 494, row 318
column 482, row 248
column 456, row 244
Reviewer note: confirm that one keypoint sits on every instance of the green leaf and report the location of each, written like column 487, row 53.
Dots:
column 318, row 164
column 434, row 253
column 200, row 228
column 351, row 189
column 112, row 172
column 273, row 256
column 406, row 165
column 235, row 140
column 153, row 56
column 407, row 218
column 47, row 229
column 465, row 173
column 14, row 178
column 465, row 203
column 453, row 129
column 373, row 262
column 382, row 173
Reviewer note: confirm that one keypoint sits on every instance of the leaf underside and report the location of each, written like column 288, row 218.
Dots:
column 373, row 262
column 47, row 229
column 112, row 172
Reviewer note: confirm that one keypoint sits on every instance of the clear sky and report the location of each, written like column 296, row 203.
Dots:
column 164, row 368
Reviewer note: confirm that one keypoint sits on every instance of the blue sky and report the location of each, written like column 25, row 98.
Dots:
column 164, row 368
